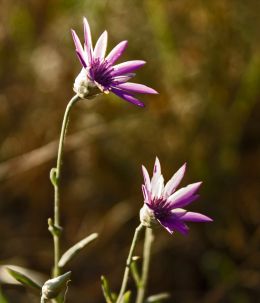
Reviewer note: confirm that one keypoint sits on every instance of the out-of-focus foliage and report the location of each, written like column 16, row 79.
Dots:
column 203, row 57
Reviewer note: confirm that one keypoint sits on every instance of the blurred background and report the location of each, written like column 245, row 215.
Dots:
column 203, row 57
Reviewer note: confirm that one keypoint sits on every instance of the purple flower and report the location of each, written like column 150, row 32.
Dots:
column 164, row 204
column 99, row 74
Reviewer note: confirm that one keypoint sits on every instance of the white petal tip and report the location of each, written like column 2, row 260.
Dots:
column 157, row 161
column 209, row 219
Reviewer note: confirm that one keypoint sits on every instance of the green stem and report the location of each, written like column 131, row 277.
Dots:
column 128, row 263
column 57, row 228
column 145, row 268
column 43, row 300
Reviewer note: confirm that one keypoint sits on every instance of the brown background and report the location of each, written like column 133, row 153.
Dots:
column 203, row 57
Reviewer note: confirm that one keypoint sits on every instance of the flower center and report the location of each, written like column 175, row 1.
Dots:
column 101, row 72
column 160, row 207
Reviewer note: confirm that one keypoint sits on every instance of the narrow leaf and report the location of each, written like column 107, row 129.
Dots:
column 106, row 290
column 2, row 297
column 25, row 280
column 75, row 249
column 127, row 297
column 114, row 296
column 158, row 298
column 53, row 176
column 135, row 272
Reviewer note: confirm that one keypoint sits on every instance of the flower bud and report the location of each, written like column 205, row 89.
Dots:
column 84, row 87
column 53, row 287
column 147, row 217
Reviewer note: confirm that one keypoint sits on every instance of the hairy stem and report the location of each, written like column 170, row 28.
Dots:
column 128, row 263
column 145, row 268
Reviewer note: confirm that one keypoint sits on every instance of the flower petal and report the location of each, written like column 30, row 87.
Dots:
column 179, row 212
column 147, row 181
column 195, row 217
column 157, row 166
column 172, row 224
column 122, row 79
column 137, row 88
column 101, row 47
column 88, row 40
column 116, row 52
column 79, row 50
column 146, row 195
column 157, row 187
column 82, row 61
column 180, row 197
column 156, row 172
column 183, row 202
column 127, row 67
column 173, row 183
column 127, row 97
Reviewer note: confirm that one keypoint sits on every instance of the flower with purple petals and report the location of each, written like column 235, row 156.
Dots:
column 164, row 204
column 100, row 75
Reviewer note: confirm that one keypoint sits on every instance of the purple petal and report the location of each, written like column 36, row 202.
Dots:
column 183, row 202
column 172, row 223
column 173, row 183
column 156, row 172
column 178, row 198
column 195, row 217
column 179, row 212
column 137, row 88
column 116, row 52
column 157, row 167
column 82, row 61
column 88, row 40
column 147, row 181
column 127, row 67
column 146, row 195
column 122, row 79
column 127, row 97
column 79, row 49
column 101, row 47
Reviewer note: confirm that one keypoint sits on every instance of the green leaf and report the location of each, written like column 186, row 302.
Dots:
column 22, row 278
column 114, row 296
column 54, row 229
column 127, row 297
column 2, row 297
column 109, row 297
column 135, row 272
column 53, row 176
column 75, row 249
column 158, row 298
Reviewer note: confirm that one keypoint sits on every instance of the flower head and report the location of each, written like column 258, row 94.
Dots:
column 100, row 75
column 164, row 204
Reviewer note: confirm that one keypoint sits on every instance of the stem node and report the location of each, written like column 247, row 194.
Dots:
column 54, row 229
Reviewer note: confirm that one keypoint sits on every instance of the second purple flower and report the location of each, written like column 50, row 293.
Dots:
column 164, row 204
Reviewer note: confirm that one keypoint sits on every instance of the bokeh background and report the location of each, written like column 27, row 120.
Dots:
column 203, row 57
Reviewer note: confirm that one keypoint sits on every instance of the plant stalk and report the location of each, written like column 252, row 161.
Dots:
column 128, row 263
column 57, row 228
column 145, row 267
